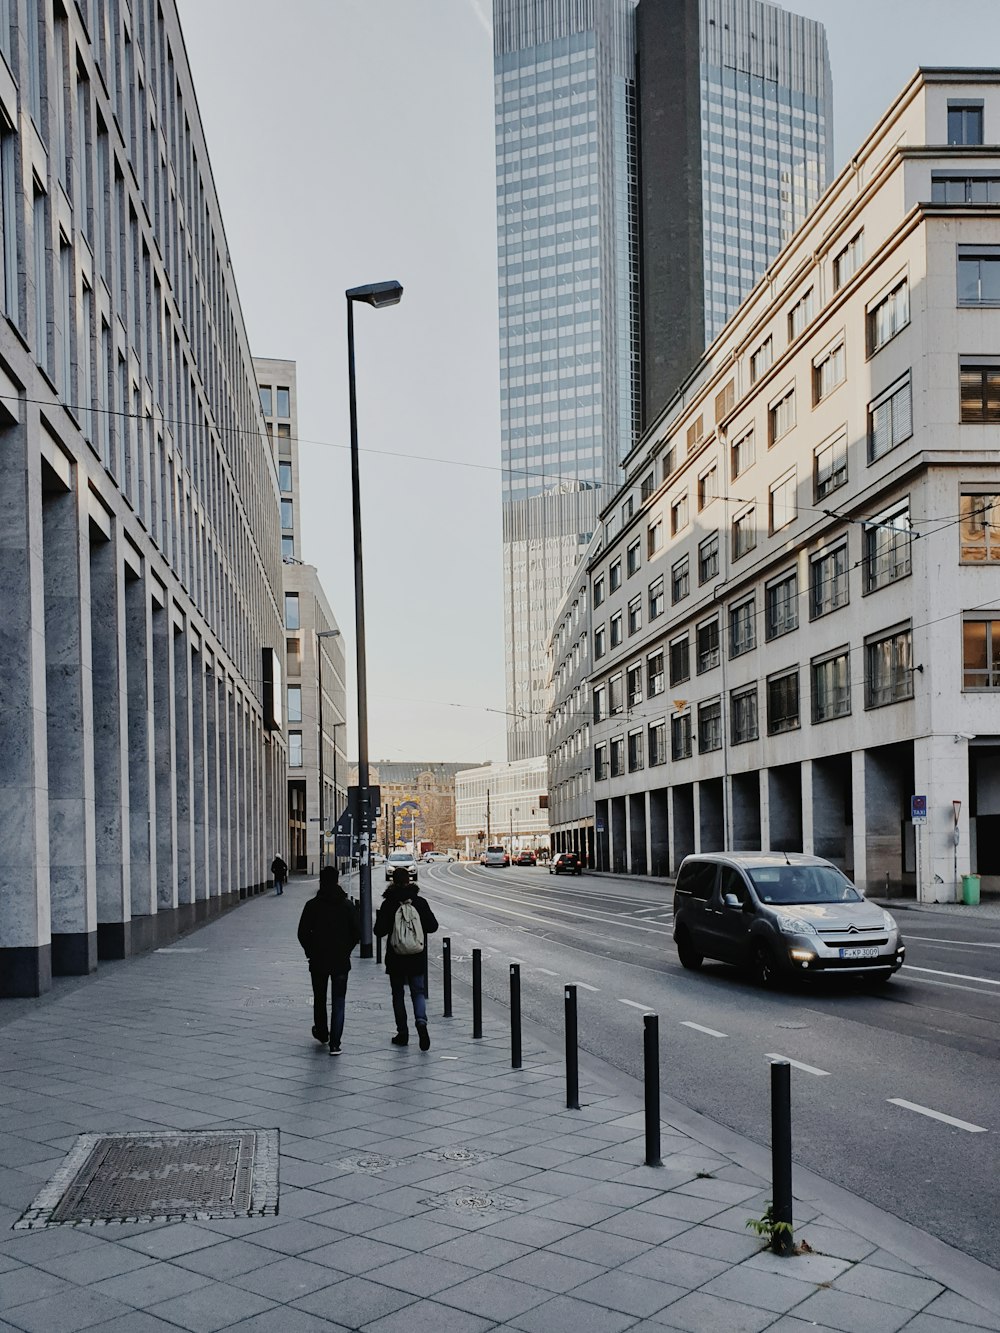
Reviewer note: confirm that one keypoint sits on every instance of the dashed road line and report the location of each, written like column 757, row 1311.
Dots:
column 545, row 971
column 582, row 985
column 938, row 1115
column 699, row 1027
column 958, row 976
column 634, row 1004
column 797, row 1064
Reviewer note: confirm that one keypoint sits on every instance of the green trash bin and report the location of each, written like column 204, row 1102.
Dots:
column 970, row 890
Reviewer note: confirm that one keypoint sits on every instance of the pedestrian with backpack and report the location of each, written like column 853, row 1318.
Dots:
column 329, row 928
column 280, row 872
column 404, row 920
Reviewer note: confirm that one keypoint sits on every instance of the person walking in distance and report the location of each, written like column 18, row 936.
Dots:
column 280, row 872
column 329, row 928
column 405, row 920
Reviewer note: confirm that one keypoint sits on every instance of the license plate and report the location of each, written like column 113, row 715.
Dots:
column 859, row 953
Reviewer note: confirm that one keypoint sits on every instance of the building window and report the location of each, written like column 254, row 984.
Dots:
column 980, row 527
column 669, row 463
column 979, row 275
column 295, row 749
column 890, row 419
column 288, row 548
column 800, row 315
column 657, row 743
column 741, row 454
column 965, row 123
column 657, row 600
column 828, row 582
column 648, row 486
column 633, row 557
column 40, row 238
column 679, row 514
column 680, row 660
column 831, row 687
column 761, row 360
column 889, row 668
column 654, row 672
column 781, row 416
column 615, row 576
column 600, row 642
column 680, row 581
column 617, row 756
column 598, row 591
column 292, row 610
column 742, row 627
column 980, row 392
column 980, row 654
column 965, row 189
column 287, row 514
column 635, row 615
column 680, row 737
column 616, row 629
column 744, row 533
column 743, row 713
column 847, row 261
column 725, row 401
column 634, row 751
column 284, row 403
column 781, row 502
column 265, row 400
column 708, row 644
column 616, row 702
column 710, row 726
column 830, row 466
column 887, row 541
column 887, row 316
column 708, row 558
column 295, row 703
column 628, row 509
column 601, row 762
column 695, row 433
column 600, row 703
column 708, row 487
column 654, row 538
column 829, row 371
column 633, row 685
column 783, row 703
column 781, row 605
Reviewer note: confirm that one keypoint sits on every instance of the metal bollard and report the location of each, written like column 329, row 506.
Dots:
column 446, row 974
column 515, row 1016
column 378, row 948
column 477, row 992
column 572, row 1055
column 782, row 1240
column 651, row 1063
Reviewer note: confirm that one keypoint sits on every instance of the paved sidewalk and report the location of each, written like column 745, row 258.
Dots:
column 437, row 1191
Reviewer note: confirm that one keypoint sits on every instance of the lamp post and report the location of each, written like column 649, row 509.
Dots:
column 322, row 634
column 377, row 294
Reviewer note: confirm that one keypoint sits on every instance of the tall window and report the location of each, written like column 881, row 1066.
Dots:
column 633, row 685
column 83, row 153
column 657, row 743
column 287, row 514
column 783, row 703
column 633, row 557
column 781, row 605
column 40, row 239
column 634, row 751
column 265, row 400
column 887, row 316
column 598, row 591
column 657, row 601
column 102, row 189
column 85, row 343
column 829, row 371
column 654, row 538
column 680, row 660
column 744, row 533
column 654, row 672
column 742, row 627
column 781, row 501
column 743, row 715
column 600, row 703
column 965, row 123
column 800, row 314
column 601, row 762
column 8, row 220
column 708, row 486
column 680, row 581
column 761, row 360
column 679, row 514
column 889, row 668
column 285, row 476
column 291, row 610
column 635, row 615
column 616, row 700
column 980, row 653
column 708, row 558
column 980, row 391
column 710, row 726
column 617, row 756
column 830, row 466
column 831, row 687
column 284, row 404
column 828, row 582
column 695, row 433
column 887, row 541
column 708, row 644
column 616, row 629
column 66, row 319
column 295, row 703
column 725, row 401
column 615, row 576
column 600, row 642
column 741, row 454
column 890, row 419
column 680, row 736
column 781, row 416
column 979, row 275
column 847, row 261
column 980, row 527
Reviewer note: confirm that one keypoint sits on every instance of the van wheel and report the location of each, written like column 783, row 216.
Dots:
column 687, row 955
column 765, row 972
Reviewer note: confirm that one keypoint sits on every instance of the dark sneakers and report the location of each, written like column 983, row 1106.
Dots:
column 322, row 1037
column 401, row 1039
column 424, row 1037
column 334, row 1047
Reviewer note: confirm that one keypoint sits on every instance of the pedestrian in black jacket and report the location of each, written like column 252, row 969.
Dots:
column 406, row 969
column 329, row 928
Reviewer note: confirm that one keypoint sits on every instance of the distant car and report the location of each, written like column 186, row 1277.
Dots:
column 565, row 863
column 377, row 858
column 438, row 856
column 400, row 860
column 525, row 858
column 495, row 856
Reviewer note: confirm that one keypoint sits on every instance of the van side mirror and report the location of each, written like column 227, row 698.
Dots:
column 731, row 900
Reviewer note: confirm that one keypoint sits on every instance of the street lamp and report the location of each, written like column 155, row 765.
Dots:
column 377, row 294
column 320, row 635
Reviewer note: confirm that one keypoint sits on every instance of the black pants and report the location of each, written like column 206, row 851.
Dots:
column 320, row 975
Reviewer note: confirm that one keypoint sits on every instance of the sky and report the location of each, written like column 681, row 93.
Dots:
column 351, row 141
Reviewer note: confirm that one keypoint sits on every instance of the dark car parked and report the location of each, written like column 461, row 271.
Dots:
column 565, row 863
column 781, row 914
column 525, row 858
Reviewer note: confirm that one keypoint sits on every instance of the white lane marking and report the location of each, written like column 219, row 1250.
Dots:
column 709, row 1032
column 447, row 1057
column 546, row 971
column 938, row 1115
column 603, row 918
column 953, row 985
column 797, row 1064
column 633, row 1004
column 582, row 985
column 178, row 949
column 964, row 944
column 958, row 976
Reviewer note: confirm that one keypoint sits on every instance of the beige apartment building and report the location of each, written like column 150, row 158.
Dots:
column 796, row 602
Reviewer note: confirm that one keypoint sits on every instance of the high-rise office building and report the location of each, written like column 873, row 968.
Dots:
column 725, row 103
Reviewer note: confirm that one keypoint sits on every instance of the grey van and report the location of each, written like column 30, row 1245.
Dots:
column 779, row 914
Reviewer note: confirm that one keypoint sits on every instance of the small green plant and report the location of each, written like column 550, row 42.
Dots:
column 768, row 1226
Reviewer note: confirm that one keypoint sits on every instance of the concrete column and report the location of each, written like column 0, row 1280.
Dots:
column 808, row 810
column 941, row 773
column 765, row 810
column 183, row 747
column 199, row 780
column 164, row 759
column 232, row 842
column 70, row 729
column 226, row 876
column 141, row 777
column 109, row 670
column 860, row 821
column 25, row 949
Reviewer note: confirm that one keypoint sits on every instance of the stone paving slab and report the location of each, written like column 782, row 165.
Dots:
column 439, row 1191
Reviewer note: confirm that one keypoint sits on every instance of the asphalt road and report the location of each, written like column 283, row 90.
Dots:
column 895, row 1092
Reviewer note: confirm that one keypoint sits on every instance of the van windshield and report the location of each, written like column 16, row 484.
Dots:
column 802, row 884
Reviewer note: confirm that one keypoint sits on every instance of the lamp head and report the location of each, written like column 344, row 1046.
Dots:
column 377, row 294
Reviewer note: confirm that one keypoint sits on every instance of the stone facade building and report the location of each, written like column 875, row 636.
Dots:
column 417, row 802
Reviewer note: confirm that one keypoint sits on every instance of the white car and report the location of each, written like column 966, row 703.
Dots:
column 438, row 856
column 400, row 861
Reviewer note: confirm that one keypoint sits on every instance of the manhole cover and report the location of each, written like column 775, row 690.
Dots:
column 369, row 1165
column 161, row 1177
column 475, row 1201
column 456, row 1155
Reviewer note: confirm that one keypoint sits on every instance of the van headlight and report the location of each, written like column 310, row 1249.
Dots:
column 795, row 925
column 889, row 921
